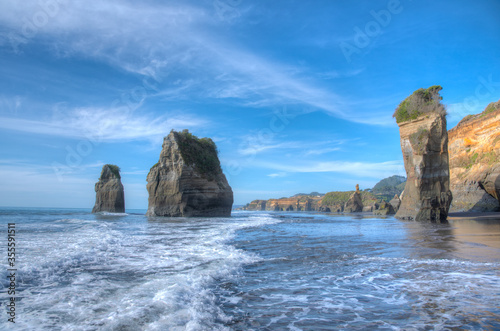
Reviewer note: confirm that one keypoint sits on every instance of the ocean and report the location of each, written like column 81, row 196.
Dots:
column 252, row 271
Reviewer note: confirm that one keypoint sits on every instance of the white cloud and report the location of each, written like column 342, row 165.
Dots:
column 257, row 147
column 101, row 124
column 179, row 41
column 340, row 74
column 321, row 151
column 457, row 111
column 280, row 174
column 10, row 104
column 359, row 169
column 255, row 144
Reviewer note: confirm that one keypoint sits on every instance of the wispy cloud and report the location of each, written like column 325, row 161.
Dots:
column 360, row 169
column 322, row 151
column 104, row 124
column 279, row 174
column 253, row 146
column 340, row 74
column 10, row 104
column 256, row 148
column 179, row 41
column 457, row 111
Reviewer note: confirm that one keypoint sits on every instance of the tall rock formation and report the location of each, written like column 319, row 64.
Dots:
column 475, row 161
column 109, row 191
column 424, row 142
column 188, row 180
column 355, row 203
column 395, row 203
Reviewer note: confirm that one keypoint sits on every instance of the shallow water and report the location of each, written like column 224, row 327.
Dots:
column 252, row 271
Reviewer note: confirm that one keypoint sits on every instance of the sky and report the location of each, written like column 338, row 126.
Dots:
column 297, row 95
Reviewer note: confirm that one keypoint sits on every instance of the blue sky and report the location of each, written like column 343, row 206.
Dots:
column 298, row 95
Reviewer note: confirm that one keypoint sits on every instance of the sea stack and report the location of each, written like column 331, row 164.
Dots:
column 424, row 142
column 475, row 161
column 385, row 208
column 355, row 203
column 395, row 203
column 188, row 181
column 109, row 191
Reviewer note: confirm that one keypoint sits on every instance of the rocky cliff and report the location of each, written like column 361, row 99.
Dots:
column 474, row 146
column 300, row 203
column 188, row 180
column 355, row 203
column 109, row 191
column 257, row 205
column 424, row 142
column 331, row 202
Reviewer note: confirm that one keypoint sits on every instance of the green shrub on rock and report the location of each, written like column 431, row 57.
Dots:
column 115, row 170
column 199, row 152
column 422, row 101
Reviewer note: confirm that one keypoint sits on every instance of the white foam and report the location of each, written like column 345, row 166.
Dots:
column 96, row 276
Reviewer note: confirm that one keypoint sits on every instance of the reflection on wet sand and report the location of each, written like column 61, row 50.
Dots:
column 474, row 237
column 477, row 238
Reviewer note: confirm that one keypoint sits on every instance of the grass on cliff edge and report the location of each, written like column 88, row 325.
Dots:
column 490, row 108
column 341, row 197
column 422, row 101
column 200, row 152
column 115, row 170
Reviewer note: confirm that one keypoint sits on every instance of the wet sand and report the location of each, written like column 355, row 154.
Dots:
column 487, row 216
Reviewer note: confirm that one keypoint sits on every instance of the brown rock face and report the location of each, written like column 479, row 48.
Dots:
column 475, row 161
column 395, row 203
column 424, row 142
column 109, row 191
column 292, row 204
column 256, row 205
column 385, row 208
column 355, row 203
column 188, row 180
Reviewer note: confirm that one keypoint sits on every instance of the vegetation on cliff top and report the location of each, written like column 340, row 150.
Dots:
column 490, row 108
column 422, row 101
column 384, row 190
column 200, row 152
column 341, row 197
column 115, row 170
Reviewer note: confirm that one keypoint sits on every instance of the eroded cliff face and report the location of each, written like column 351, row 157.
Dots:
column 187, row 180
column 424, row 142
column 354, row 204
column 333, row 202
column 474, row 146
column 109, row 191
column 300, row 203
column 257, row 205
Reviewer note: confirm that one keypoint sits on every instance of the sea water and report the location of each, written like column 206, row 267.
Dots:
column 251, row 271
